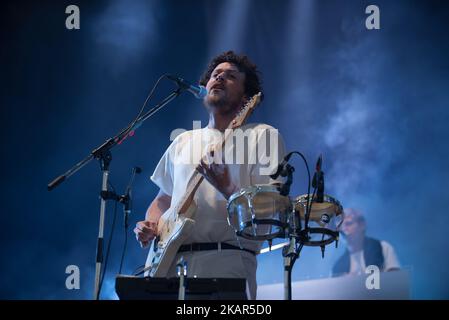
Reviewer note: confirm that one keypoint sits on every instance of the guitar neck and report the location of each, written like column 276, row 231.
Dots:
column 196, row 179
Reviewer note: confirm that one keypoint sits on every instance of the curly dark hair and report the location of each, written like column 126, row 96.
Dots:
column 253, row 82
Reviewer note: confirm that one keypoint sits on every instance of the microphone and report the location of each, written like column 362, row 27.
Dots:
column 318, row 180
column 137, row 169
column 318, row 163
column 281, row 166
column 198, row 91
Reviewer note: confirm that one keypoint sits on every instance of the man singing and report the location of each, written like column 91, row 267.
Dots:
column 231, row 80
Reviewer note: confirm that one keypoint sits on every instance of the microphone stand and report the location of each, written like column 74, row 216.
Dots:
column 103, row 154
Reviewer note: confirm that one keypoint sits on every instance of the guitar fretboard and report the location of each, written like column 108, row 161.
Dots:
column 196, row 178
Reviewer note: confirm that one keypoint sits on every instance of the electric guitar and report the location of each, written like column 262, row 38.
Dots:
column 174, row 230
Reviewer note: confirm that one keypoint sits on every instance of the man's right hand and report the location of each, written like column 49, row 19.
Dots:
column 145, row 232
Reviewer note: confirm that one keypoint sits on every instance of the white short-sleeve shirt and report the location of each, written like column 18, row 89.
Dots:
column 180, row 160
column 211, row 225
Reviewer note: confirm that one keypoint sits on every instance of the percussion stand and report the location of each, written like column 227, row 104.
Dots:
column 290, row 252
column 182, row 272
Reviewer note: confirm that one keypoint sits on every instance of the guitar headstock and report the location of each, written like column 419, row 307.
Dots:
column 246, row 111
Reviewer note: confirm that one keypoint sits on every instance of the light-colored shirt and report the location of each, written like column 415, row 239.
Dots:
column 357, row 259
column 172, row 175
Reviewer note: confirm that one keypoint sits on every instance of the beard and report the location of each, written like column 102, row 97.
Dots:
column 216, row 101
column 219, row 102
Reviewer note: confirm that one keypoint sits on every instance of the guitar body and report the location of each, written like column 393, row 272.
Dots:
column 171, row 235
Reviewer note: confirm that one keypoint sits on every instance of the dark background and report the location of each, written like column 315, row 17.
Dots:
column 374, row 102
